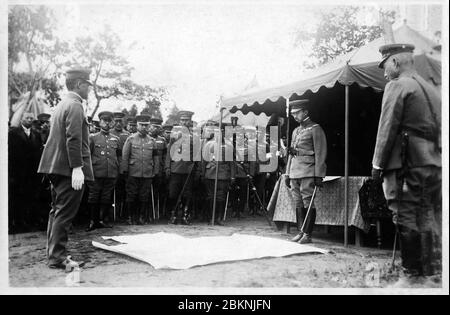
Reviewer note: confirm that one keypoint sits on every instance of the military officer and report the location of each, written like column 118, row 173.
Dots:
column 407, row 158
column 161, row 151
column 131, row 125
column 105, row 162
column 44, row 120
column 138, row 165
column 241, row 192
column 181, row 172
column 306, row 166
column 166, row 130
column 119, row 131
column 67, row 161
column 226, row 175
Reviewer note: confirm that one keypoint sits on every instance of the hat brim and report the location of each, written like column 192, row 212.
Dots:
column 294, row 111
column 381, row 64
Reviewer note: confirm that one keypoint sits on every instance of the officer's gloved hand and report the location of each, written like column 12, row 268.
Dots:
column 318, row 181
column 377, row 175
column 287, row 181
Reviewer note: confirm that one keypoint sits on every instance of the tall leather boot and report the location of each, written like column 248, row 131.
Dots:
column 220, row 207
column 309, row 226
column 93, row 210
column 300, row 216
column 142, row 209
column 104, row 208
column 410, row 249
column 173, row 212
column 186, row 216
column 131, row 207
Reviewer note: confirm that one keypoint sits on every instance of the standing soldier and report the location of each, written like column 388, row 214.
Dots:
column 122, row 134
column 181, row 172
column 407, row 159
column 44, row 120
column 161, row 150
column 225, row 175
column 138, row 166
column 241, row 195
column 131, row 125
column 306, row 167
column 105, row 163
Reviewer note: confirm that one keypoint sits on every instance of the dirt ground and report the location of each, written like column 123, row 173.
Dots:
column 351, row 267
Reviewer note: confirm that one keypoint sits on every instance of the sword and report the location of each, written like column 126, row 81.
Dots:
column 309, row 208
column 114, row 212
column 226, row 206
column 153, row 202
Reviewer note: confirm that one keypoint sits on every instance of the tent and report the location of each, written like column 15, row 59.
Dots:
column 346, row 99
column 36, row 105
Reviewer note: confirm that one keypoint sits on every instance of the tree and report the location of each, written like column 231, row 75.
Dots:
column 110, row 71
column 338, row 32
column 152, row 108
column 31, row 40
column 133, row 110
column 173, row 116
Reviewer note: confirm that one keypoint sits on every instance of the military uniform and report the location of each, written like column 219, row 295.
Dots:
column 225, row 175
column 161, row 151
column 181, row 173
column 67, row 148
column 138, row 164
column 44, row 120
column 105, row 154
column 306, row 165
column 407, row 151
column 241, row 190
column 122, row 134
column 131, row 125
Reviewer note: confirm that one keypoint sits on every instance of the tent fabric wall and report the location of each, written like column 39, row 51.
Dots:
column 359, row 66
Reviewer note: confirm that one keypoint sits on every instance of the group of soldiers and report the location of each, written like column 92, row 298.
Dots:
column 136, row 180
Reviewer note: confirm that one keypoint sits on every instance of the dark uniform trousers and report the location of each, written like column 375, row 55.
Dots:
column 417, row 211
column 101, row 190
column 222, row 191
column 176, row 185
column 302, row 190
column 65, row 203
column 138, row 187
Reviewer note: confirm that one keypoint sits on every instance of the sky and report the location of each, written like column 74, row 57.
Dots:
column 199, row 51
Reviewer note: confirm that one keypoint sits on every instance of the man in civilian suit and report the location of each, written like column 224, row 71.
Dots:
column 66, row 160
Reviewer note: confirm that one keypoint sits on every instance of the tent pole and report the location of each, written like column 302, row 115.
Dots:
column 288, row 112
column 218, row 157
column 346, row 192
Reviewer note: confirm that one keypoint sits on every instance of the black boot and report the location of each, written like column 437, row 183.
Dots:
column 309, row 226
column 93, row 210
column 131, row 211
column 410, row 248
column 220, row 207
column 173, row 212
column 104, row 208
column 186, row 216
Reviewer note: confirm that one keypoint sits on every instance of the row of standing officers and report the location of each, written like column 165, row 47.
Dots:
column 136, row 173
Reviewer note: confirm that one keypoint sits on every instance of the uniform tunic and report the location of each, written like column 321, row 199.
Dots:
column 310, row 143
column 416, row 202
column 138, row 161
column 105, row 154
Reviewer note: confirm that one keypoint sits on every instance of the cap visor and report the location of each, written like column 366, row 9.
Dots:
column 381, row 64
